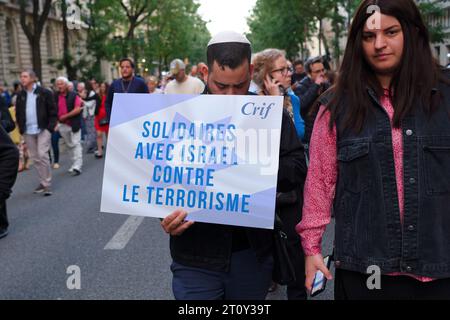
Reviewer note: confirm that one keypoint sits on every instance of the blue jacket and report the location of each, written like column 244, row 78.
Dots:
column 298, row 120
column 368, row 226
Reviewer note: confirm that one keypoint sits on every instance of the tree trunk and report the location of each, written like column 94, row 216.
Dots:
column 36, row 58
column 33, row 31
column 132, row 49
column 337, row 36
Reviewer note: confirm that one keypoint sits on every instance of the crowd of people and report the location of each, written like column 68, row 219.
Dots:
column 369, row 144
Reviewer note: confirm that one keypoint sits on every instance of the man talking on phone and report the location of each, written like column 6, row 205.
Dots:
column 309, row 89
column 216, row 262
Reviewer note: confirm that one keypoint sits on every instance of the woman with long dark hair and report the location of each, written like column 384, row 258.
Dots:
column 380, row 156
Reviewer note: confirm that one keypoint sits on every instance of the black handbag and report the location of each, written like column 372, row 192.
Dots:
column 283, row 268
column 286, row 198
column 103, row 121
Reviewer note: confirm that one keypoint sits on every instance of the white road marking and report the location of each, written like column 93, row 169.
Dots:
column 124, row 234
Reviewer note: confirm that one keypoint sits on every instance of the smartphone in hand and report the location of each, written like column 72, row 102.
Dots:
column 320, row 281
column 280, row 87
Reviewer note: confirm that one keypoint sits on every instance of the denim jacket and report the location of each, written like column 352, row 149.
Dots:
column 368, row 226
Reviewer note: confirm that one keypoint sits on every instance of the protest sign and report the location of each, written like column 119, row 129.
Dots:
column 214, row 156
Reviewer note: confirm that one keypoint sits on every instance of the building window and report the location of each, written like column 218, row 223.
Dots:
column 11, row 42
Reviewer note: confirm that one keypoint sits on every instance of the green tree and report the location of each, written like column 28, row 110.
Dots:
column 177, row 32
column 152, row 32
column 432, row 13
column 341, row 16
column 114, row 27
column 290, row 24
column 75, row 63
column 321, row 10
column 67, row 60
column 102, row 43
column 136, row 12
column 284, row 24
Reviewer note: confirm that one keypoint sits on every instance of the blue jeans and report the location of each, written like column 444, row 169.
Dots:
column 55, row 146
column 247, row 279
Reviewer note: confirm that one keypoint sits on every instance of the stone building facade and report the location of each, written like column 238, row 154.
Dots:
column 15, row 50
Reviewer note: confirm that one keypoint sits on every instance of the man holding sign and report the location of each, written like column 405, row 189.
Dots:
column 213, row 261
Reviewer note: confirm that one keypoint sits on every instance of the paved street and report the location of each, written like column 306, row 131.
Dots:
column 47, row 235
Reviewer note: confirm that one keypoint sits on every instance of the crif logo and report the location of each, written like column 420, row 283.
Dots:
column 251, row 109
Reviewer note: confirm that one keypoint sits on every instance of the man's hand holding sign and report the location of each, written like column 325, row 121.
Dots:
column 175, row 223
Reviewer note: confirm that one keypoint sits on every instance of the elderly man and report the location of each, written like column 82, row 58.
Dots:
column 69, row 114
column 183, row 83
column 152, row 84
column 36, row 115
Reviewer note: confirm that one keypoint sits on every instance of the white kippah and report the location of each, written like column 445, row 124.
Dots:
column 228, row 36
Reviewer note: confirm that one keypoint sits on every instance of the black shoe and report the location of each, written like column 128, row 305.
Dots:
column 76, row 172
column 39, row 189
column 48, row 192
column 3, row 232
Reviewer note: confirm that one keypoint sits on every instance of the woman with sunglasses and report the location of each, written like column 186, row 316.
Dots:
column 380, row 156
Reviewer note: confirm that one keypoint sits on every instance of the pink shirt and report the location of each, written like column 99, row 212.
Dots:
column 62, row 105
column 320, row 185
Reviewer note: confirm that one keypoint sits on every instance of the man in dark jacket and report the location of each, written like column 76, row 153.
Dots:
column 36, row 117
column 129, row 83
column 312, row 86
column 299, row 73
column 9, row 162
column 213, row 261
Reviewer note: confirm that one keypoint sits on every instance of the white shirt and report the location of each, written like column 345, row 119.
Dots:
column 190, row 86
column 32, row 126
column 89, row 106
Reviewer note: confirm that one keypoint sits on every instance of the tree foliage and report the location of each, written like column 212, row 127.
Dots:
column 146, row 30
column 291, row 24
column 177, row 32
column 432, row 11
column 280, row 24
